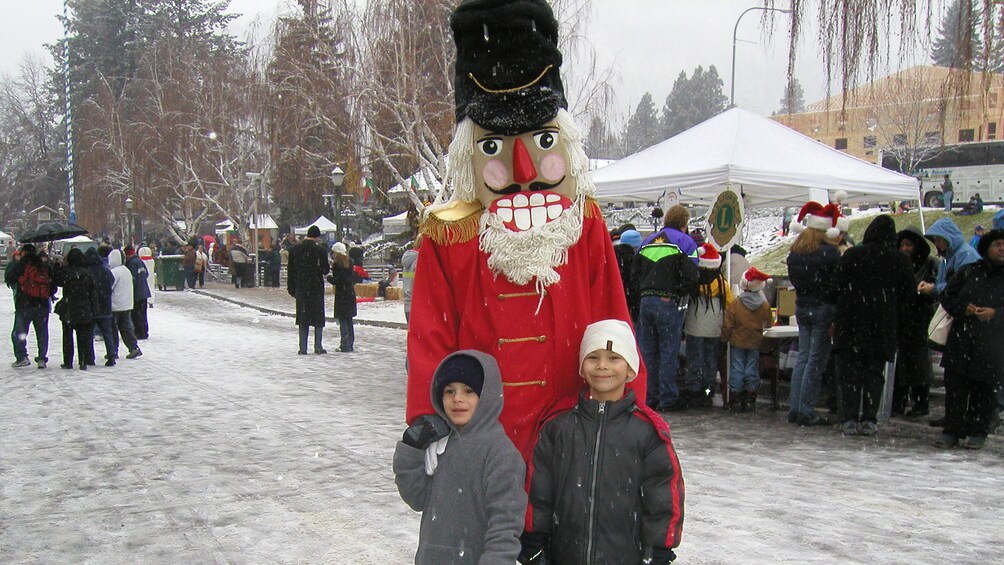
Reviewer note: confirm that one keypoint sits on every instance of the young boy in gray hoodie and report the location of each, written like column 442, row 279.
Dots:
column 461, row 471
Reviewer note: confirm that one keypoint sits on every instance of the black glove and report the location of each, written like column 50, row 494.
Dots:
column 532, row 550
column 661, row 556
column 426, row 430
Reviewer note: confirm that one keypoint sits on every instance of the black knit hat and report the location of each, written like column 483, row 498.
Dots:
column 313, row 231
column 991, row 236
column 508, row 78
column 459, row 368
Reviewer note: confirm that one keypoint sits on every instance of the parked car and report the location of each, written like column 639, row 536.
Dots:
column 61, row 247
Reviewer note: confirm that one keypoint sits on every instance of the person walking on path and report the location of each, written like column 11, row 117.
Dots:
column 140, row 292
column 871, row 285
column 77, row 308
column 811, row 263
column 122, row 301
column 974, row 358
column 201, row 265
column 238, row 264
column 31, row 279
column 308, row 263
column 188, row 261
column 665, row 270
column 914, row 374
column 409, row 262
column 947, row 193
column 344, row 278
column 103, row 321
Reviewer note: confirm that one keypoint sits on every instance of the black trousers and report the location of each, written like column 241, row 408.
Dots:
column 85, row 342
column 860, row 384
column 969, row 406
column 139, row 319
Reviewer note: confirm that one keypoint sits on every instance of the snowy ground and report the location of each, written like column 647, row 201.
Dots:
column 220, row 445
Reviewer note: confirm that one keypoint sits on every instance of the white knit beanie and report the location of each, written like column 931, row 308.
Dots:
column 612, row 335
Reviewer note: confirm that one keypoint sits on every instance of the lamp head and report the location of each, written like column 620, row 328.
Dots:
column 337, row 177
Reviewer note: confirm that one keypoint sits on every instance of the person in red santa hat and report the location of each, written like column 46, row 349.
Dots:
column 811, row 265
column 745, row 319
column 702, row 325
column 516, row 258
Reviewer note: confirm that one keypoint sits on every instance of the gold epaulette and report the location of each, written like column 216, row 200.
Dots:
column 592, row 209
column 456, row 222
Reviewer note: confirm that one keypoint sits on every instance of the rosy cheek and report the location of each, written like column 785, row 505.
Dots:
column 552, row 167
column 495, row 174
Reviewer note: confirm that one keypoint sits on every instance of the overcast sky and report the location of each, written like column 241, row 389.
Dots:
column 647, row 41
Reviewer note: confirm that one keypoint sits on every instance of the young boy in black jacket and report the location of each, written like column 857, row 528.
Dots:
column 605, row 485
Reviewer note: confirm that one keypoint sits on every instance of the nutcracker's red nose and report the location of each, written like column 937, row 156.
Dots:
column 523, row 170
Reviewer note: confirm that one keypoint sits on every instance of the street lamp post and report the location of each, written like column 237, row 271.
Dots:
column 732, row 94
column 337, row 179
column 128, row 205
column 257, row 219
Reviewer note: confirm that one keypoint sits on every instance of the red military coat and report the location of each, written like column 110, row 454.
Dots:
column 458, row 303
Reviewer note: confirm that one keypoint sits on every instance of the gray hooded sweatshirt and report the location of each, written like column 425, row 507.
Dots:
column 474, row 505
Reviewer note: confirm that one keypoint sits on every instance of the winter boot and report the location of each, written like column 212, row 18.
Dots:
column 750, row 405
column 736, row 399
column 707, row 398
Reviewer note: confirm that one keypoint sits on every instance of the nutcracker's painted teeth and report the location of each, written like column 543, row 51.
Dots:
column 522, row 212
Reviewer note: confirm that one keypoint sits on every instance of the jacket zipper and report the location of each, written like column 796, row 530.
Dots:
column 601, row 419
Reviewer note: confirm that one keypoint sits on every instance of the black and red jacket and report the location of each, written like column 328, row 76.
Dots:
column 605, row 483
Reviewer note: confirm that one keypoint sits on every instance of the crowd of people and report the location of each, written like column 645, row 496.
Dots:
column 862, row 311
column 102, row 291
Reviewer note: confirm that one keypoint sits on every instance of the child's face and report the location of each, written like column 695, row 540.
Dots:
column 606, row 373
column 459, row 402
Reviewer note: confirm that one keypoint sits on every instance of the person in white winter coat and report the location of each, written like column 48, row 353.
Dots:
column 122, row 304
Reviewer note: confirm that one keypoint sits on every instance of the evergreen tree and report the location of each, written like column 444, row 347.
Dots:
column 793, row 100
column 957, row 44
column 642, row 128
column 692, row 101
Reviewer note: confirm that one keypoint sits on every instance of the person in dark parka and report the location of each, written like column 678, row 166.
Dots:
column 308, row 263
column 974, row 353
column 344, row 279
column 871, row 284
column 77, row 308
column 103, row 319
column 914, row 373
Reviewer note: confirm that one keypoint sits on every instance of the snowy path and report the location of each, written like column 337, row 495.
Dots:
column 220, row 445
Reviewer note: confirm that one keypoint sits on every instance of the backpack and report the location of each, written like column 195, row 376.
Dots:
column 35, row 282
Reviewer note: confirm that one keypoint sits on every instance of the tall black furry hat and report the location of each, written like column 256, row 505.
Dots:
column 508, row 79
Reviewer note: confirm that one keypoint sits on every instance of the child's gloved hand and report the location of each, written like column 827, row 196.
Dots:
column 425, row 430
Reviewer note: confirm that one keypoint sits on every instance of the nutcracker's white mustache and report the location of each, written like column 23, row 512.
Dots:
column 534, row 253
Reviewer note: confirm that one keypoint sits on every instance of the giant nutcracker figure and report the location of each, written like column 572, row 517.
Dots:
column 516, row 260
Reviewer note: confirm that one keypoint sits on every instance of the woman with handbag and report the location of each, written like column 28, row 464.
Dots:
column 974, row 354
column 914, row 373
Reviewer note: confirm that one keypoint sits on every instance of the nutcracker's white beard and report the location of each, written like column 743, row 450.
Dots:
column 533, row 253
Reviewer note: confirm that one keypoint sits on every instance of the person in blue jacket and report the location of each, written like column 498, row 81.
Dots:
column 951, row 244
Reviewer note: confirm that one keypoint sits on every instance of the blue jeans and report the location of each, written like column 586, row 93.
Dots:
column 660, row 327
column 947, row 196
column 106, row 329
column 813, row 352
column 37, row 317
column 702, row 363
column 744, row 369
column 318, row 338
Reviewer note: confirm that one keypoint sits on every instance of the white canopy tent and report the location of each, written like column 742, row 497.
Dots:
column 322, row 223
column 768, row 163
column 394, row 225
